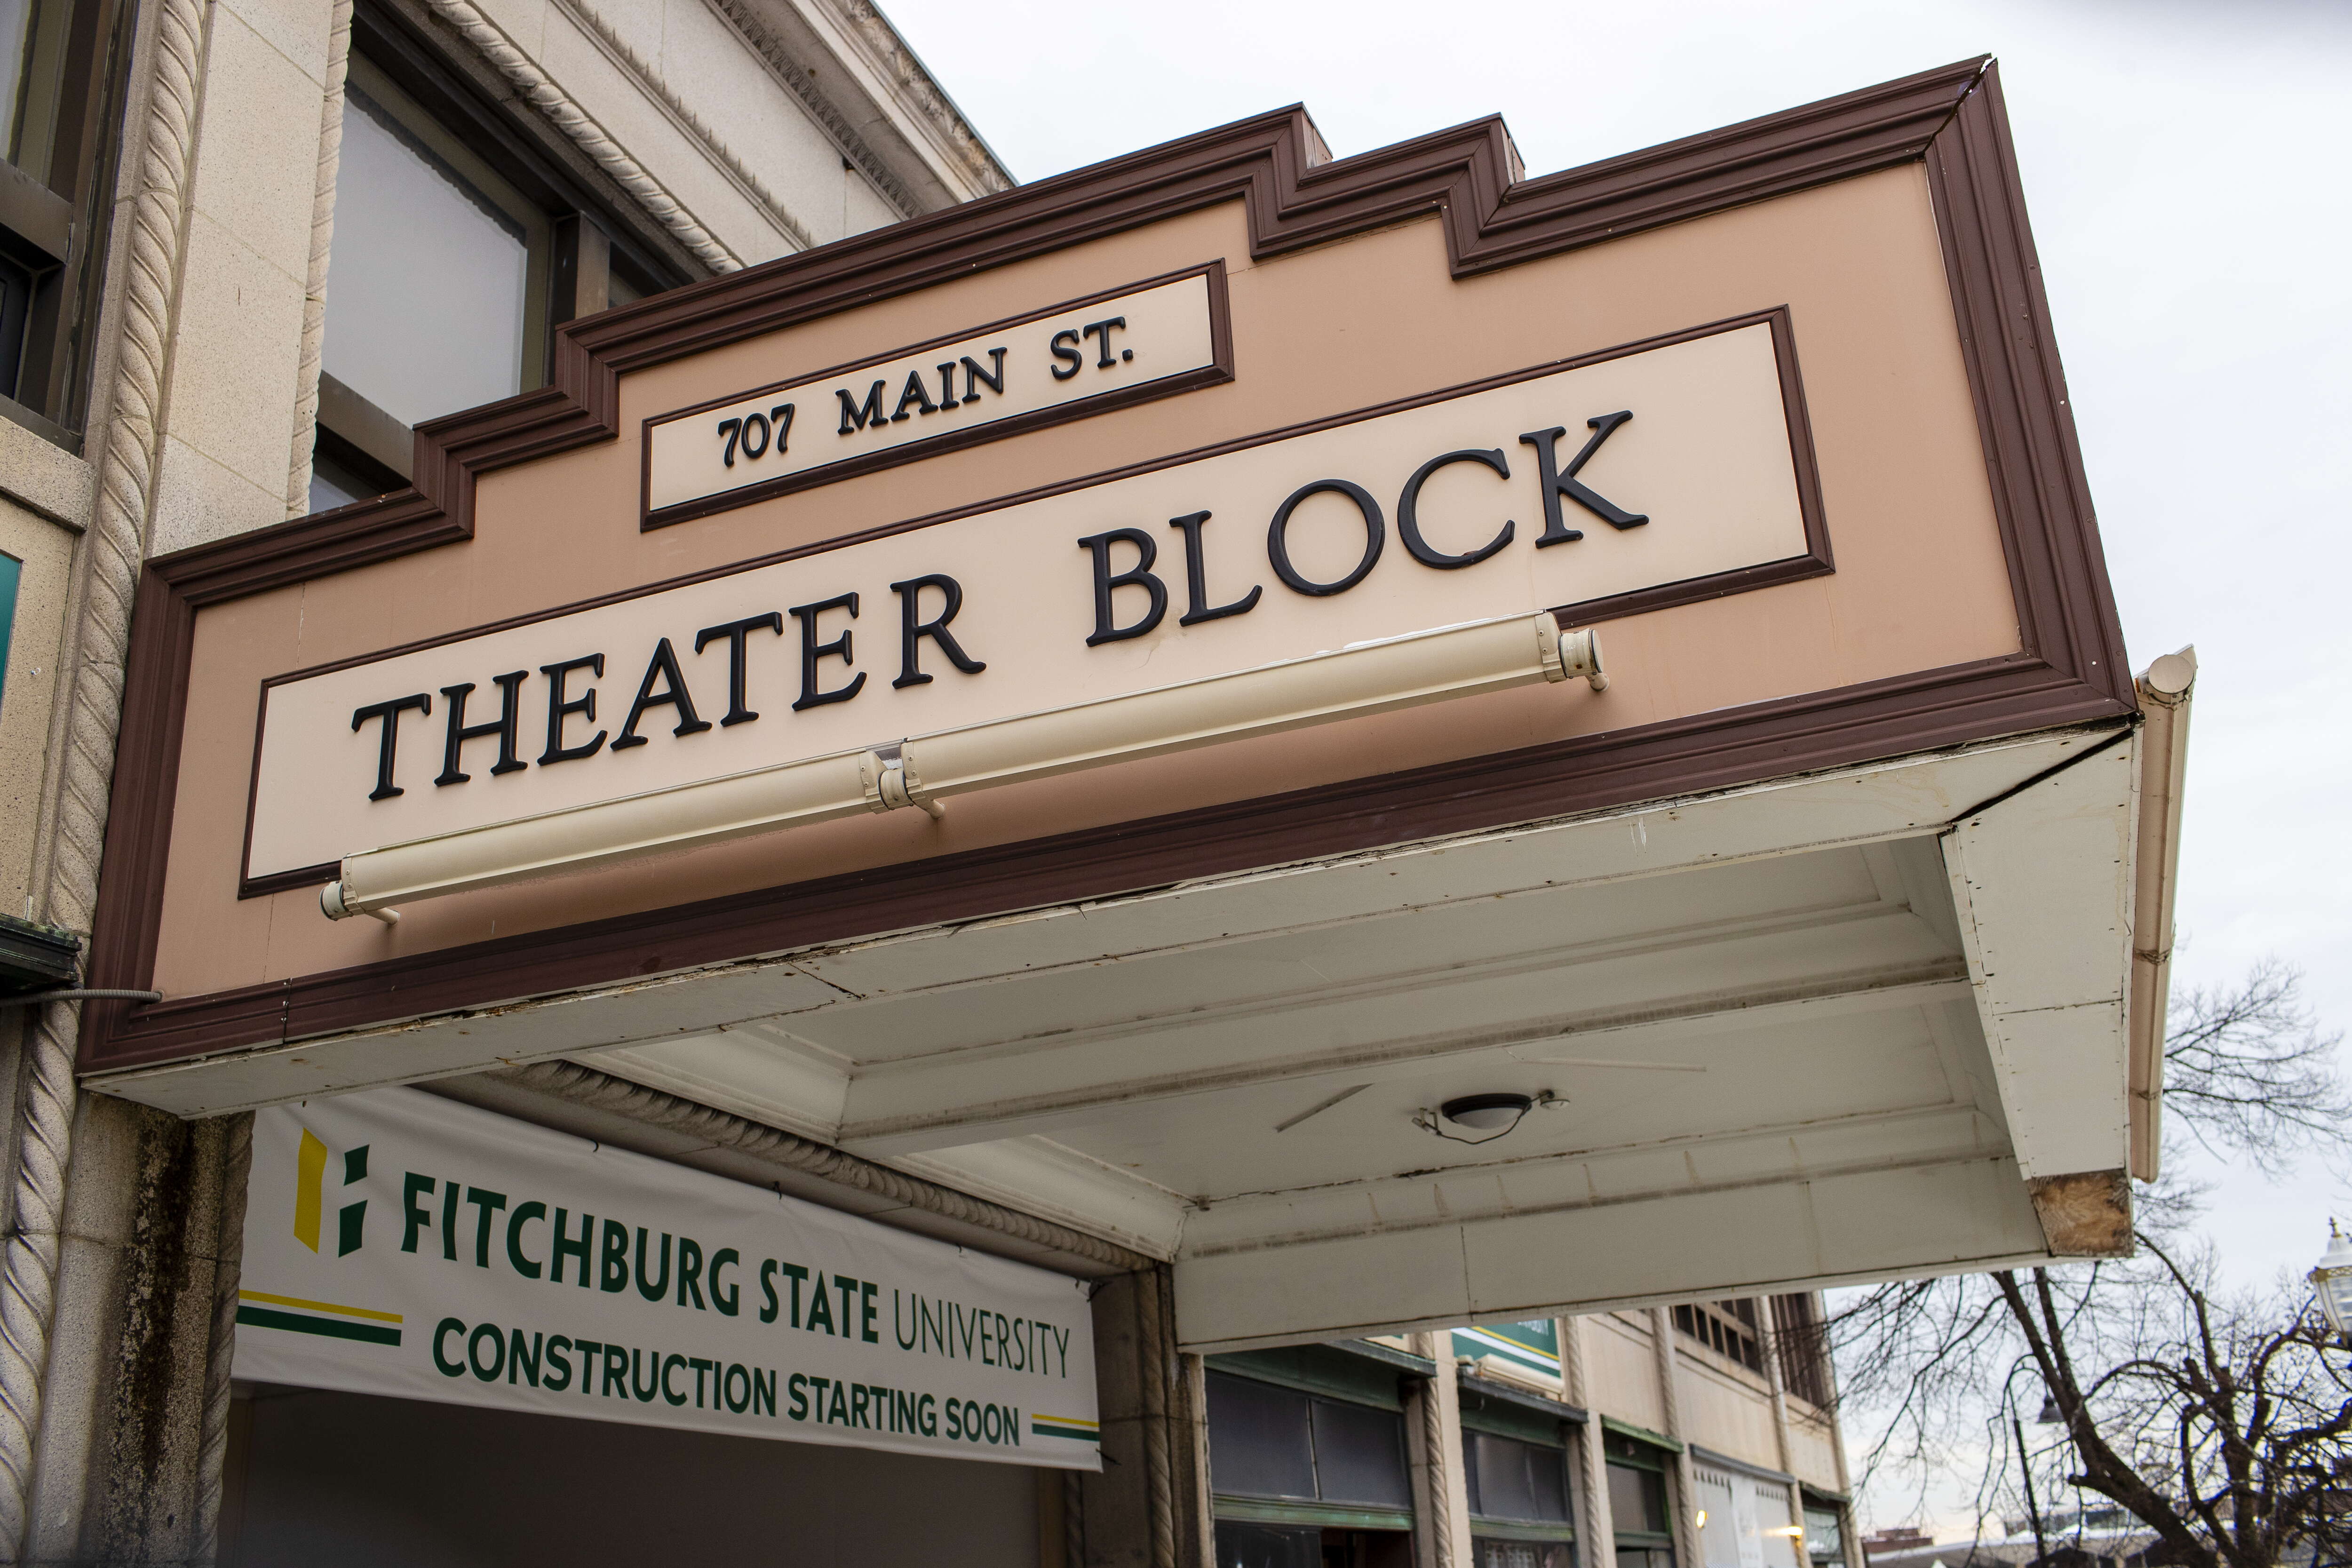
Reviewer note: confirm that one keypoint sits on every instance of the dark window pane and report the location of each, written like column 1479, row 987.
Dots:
column 1359, row 1455
column 1637, row 1500
column 1646, row 1557
column 1259, row 1442
column 16, row 305
column 1515, row 1480
column 1267, row 1546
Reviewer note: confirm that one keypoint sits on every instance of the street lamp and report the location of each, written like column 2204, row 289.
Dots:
column 2332, row 1282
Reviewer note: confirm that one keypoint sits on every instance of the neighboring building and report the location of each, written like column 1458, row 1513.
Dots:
column 1648, row 1443
column 2102, row 1537
column 1894, row 1538
column 736, row 842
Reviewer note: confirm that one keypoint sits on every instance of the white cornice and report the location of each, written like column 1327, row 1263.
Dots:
column 857, row 77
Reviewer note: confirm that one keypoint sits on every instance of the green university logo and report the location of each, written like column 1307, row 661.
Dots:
column 262, row 1309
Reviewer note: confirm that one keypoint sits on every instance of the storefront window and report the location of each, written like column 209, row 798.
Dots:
column 1639, row 1504
column 1637, row 1500
column 1519, row 1502
column 1273, row 1442
column 1241, row 1545
column 1308, row 1481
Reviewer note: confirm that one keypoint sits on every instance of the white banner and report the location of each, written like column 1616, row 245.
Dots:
column 398, row 1243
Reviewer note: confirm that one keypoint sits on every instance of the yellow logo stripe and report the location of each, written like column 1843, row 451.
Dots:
column 318, row 1306
column 1067, row 1421
column 311, row 1174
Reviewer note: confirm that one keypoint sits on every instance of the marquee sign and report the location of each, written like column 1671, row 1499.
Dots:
column 1664, row 469
column 402, row 1245
column 1057, row 689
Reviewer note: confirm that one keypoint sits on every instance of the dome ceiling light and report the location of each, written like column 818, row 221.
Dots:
column 1496, row 1115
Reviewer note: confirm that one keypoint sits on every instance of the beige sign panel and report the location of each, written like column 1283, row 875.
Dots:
column 1659, row 466
column 1061, row 363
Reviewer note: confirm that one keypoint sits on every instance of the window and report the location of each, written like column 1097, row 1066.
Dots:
column 1271, row 1442
column 1519, row 1502
column 1637, row 1500
column 439, row 273
column 1511, row 1479
column 1639, row 1507
column 457, row 250
column 1801, row 1343
column 61, row 65
column 1728, row 1328
column 1825, row 1535
column 1304, row 1482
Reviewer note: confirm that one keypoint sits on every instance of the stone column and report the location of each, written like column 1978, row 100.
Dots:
column 1149, row 1508
column 1684, row 1502
column 128, row 1463
column 1596, row 1525
column 1441, row 1491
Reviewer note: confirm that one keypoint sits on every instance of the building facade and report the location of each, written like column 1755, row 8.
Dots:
column 1704, row 1433
column 682, row 771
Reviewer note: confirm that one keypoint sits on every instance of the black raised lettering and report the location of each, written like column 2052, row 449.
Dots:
column 560, row 707
column 1139, row 575
column 1277, row 538
column 673, row 695
column 739, row 711
column 973, row 375
column 811, row 650
column 1558, row 482
column 505, row 727
column 1409, row 511
column 1196, row 578
column 1073, row 360
column 387, row 746
column 913, row 628
column 857, row 417
column 916, row 393
column 1101, row 331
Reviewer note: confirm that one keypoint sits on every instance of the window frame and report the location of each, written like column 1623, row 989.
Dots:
column 593, row 248
column 1329, row 1376
column 1632, row 1451
column 1718, row 1324
column 56, row 218
column 1801, row 1342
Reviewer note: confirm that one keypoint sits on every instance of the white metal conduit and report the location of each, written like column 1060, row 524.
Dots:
column 918, row 773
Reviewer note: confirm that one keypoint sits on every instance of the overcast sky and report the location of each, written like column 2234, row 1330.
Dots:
column 2186, row 169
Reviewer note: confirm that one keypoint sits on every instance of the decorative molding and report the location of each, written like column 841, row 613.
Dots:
column 115, row 544
column 539, row 90
column 920, row 89
column 2069, row 673
column 887, row 57
column 819, row 106
column 322, row 243
column 687, row 120
column 584, row 1086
